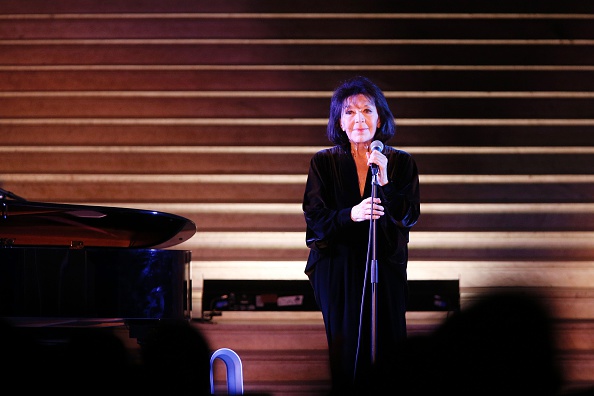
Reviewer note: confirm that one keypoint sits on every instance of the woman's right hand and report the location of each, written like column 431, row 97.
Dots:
column 362, row 211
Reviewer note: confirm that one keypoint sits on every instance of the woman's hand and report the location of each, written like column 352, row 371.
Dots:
column 378, row 158
column 362, row 211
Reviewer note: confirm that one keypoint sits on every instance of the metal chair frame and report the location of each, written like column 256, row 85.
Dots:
column 234, row 370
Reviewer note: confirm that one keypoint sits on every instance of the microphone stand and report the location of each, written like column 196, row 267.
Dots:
column 374, row 276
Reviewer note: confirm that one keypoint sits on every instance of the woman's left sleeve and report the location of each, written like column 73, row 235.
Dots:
column 401, row 196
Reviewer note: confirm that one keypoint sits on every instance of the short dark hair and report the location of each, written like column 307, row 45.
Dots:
column 355, row 86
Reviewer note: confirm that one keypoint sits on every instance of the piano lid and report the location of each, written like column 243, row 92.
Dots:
column 26, row 223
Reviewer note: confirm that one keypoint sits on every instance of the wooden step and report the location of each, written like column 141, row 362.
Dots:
column 290, row 105
column 286, row 188
column 403, row 80
column 287, row 52
column 287, row 133
column 235, row 217
column 423, row 245
column 286, row 160
column 297, row 25
column 376, row 6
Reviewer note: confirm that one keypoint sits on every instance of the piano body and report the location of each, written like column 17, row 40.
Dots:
column 81, row 261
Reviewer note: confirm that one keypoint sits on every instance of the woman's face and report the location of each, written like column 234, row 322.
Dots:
column 359, row 119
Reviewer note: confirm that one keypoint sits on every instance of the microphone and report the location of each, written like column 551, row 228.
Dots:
column 379, row 146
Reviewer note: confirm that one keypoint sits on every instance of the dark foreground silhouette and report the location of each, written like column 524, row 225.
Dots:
column 502, row 344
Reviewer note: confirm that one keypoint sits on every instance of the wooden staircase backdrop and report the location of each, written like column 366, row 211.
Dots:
column 212, row 110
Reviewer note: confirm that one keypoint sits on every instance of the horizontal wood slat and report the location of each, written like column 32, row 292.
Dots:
column 87, row 160
column 424, row 246
column 285, row 133
column 246, row 6
column 281, row 189
column 200, row 78
column 246, row 106
column 234, row 217
column 304, row 25
column 141, row 52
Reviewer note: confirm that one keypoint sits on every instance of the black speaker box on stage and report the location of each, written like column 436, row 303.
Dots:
column 297, row 295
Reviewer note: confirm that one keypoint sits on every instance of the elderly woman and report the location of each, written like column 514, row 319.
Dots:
column 338, row 208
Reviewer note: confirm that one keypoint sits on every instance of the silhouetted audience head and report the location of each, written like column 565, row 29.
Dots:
column 19, row 351
column 93, row 356
column 176, row 359
column 502, row 344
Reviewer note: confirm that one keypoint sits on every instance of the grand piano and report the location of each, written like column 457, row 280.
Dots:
column 82, row 261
